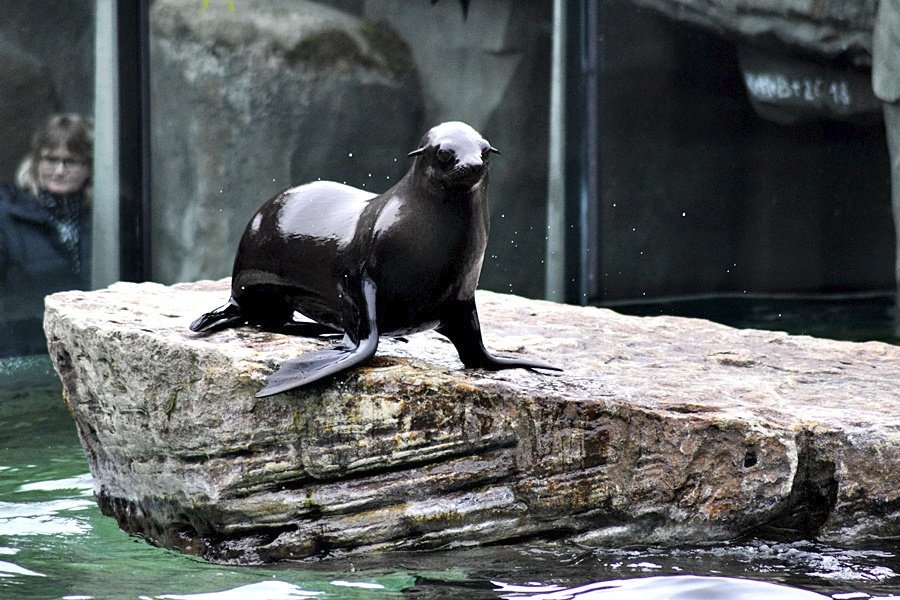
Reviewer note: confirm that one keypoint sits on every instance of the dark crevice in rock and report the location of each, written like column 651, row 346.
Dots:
column 235, row 454
column 340, row 474
column 750, row 459
column 813, row 496
column 191, row 533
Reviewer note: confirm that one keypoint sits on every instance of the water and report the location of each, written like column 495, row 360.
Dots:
column 851, row 317
column 55, row 544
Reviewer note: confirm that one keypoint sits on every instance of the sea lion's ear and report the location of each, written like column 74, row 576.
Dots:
column 418, row 151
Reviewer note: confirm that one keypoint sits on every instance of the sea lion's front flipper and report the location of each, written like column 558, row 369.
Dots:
column 317, row 365
column 460, row 324
column 228, row 315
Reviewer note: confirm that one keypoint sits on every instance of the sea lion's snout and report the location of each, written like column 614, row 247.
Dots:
column 466, row 174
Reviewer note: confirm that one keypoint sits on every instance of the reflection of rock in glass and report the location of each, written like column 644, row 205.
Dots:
column 886, row 83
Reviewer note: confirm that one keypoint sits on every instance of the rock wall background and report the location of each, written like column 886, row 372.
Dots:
column 278, row 93
column 247, row 103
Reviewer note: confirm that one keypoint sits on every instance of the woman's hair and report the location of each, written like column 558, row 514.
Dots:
column 71, row 131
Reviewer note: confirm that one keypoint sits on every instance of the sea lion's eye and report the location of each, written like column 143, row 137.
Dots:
column 444, row 155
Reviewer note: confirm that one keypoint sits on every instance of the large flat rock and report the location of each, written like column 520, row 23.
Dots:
column 660, row 430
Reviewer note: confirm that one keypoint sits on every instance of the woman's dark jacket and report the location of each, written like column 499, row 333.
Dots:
column 45, row 246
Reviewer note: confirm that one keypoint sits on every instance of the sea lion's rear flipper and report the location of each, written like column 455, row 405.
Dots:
column 460, row 324
column 313, row 366
column 226, row 316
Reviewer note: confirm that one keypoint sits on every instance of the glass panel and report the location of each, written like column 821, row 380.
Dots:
column 743, row 169
column 249, row 98
column 731, row 166
column 46, row 105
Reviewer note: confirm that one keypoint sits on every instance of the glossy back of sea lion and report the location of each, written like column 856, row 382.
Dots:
column 293, row 252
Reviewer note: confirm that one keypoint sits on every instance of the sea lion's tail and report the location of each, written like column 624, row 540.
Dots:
column 223, row 317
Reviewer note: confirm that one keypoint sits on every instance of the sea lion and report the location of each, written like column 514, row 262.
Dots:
column 367, row 265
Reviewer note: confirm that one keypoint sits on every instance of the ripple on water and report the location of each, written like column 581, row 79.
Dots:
column 673, row 587
column 44, row 518
column 265, row 590
column 83, row 483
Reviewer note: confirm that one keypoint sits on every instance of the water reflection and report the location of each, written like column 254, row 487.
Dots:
column 266, row 590
column 679, row 587
column 8, row 569
column 43, row 518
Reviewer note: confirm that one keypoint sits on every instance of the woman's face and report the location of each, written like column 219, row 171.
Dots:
column 60, row 172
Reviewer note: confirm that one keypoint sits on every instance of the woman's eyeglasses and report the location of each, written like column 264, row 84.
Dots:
column 53, row 162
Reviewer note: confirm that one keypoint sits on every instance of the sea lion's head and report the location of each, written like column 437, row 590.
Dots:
column 454, row 156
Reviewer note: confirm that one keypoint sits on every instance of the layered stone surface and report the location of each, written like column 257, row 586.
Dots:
column 660, row 430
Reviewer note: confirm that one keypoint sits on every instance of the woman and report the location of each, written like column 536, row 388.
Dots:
column 45, row 236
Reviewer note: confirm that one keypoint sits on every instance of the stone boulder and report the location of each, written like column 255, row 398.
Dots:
column 660, row 430
column 826, row 29
column 248, row 102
